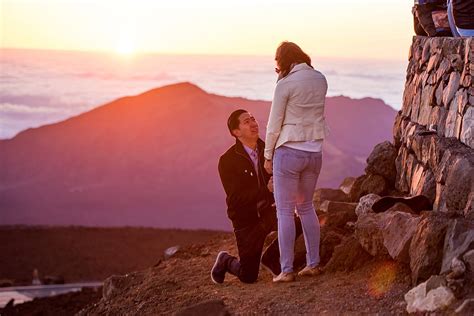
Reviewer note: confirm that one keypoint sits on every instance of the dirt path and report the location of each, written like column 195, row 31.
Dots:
column 184, row 280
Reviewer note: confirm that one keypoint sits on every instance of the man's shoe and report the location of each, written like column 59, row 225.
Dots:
column 284, row 277
column 308, row 271
column 220, row 267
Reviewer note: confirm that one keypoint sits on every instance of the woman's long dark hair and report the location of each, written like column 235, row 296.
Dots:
column 289, row 53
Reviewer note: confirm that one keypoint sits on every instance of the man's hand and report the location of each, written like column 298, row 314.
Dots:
column 268, row 165
column 270, row 184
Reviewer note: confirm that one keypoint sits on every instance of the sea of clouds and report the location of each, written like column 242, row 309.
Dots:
column 41, row 87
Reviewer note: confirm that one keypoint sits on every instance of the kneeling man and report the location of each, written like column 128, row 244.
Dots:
column 250, row 204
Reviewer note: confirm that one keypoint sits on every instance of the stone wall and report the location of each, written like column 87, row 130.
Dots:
column 434, row 131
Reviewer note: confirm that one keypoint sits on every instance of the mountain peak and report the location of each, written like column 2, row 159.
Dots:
column 180, row 87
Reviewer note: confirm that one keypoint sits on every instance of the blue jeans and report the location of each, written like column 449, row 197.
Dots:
column 457, row 32
column 295, row 173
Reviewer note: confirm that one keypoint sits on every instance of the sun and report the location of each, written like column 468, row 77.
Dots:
column 125, row 47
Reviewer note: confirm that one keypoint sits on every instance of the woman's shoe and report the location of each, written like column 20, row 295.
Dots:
column 308, row 271
column 285, row 277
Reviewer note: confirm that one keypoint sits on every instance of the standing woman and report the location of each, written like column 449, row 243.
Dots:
column 295, row 132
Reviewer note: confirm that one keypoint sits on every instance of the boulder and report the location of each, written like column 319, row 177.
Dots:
column 426, row 247
column 330, row 239
column 398, row 232
column 420, row 301
column 468, row 259
column 347, row 184
column 347, row 256
column 459, row 239
column 458, row 268
column 365, row 204
column 382, row 161
column 323, row 194
column 337, row 214
column 466, row 308
column 375, row 184
column 368, row 231
column 355, row 194
column 459, row 183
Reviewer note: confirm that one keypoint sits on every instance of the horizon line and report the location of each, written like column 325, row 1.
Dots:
column 182, row 54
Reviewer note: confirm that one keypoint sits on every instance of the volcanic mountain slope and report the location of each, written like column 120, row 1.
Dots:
column 151, row 159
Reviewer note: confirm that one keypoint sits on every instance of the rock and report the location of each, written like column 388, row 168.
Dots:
column 382, row 161
column 402, row 166
column 337, row 214
column 347, row 184
column 433, row 62
column 419, row 301
column 434, row 282
column 457, row 269
column 468, row 259
column 427, row 100
column 170, row 252
column 425, row 185
column 452, row 121
column 459, row 182
column 457, row 286
column 398, row 232
column 469, row 209
column 323, row 194
column 211, row 307
column 113, row 286
column 459, row 239
column 466, row 308
column 453, row 86
column 368, row 231
column 365, row 204
column 355, row 193
column 347, row 256
column 443, row 68
column 461, row 101
column 330, row 239
column 426, row 247
column 467, row 130
column 398, row 207
column 375, row 184
column 439, row 94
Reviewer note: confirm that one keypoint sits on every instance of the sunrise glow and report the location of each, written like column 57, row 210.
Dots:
column 350, row 29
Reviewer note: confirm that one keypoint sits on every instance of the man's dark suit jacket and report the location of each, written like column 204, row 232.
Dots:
column 239, row 178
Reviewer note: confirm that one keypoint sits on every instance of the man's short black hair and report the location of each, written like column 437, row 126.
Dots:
column 233, row 120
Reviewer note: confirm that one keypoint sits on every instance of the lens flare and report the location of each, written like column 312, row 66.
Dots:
column 382, row 279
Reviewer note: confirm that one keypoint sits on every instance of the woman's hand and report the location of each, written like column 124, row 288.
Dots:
column 268, row 165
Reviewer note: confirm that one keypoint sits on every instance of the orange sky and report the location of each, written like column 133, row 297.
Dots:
column 337, row 28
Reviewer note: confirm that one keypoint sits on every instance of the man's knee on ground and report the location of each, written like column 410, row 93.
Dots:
column 248, row 278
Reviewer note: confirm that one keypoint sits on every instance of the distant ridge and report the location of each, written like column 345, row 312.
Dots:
column 151, row 159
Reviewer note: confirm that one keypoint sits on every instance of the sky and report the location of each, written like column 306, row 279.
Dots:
column 335, row 28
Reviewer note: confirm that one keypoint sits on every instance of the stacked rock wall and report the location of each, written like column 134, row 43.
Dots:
column 434, row 131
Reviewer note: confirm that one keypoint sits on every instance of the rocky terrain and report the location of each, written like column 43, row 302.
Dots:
column 403, row 232
column 397, row 239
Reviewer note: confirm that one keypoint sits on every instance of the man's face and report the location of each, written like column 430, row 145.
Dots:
column 248, row 127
